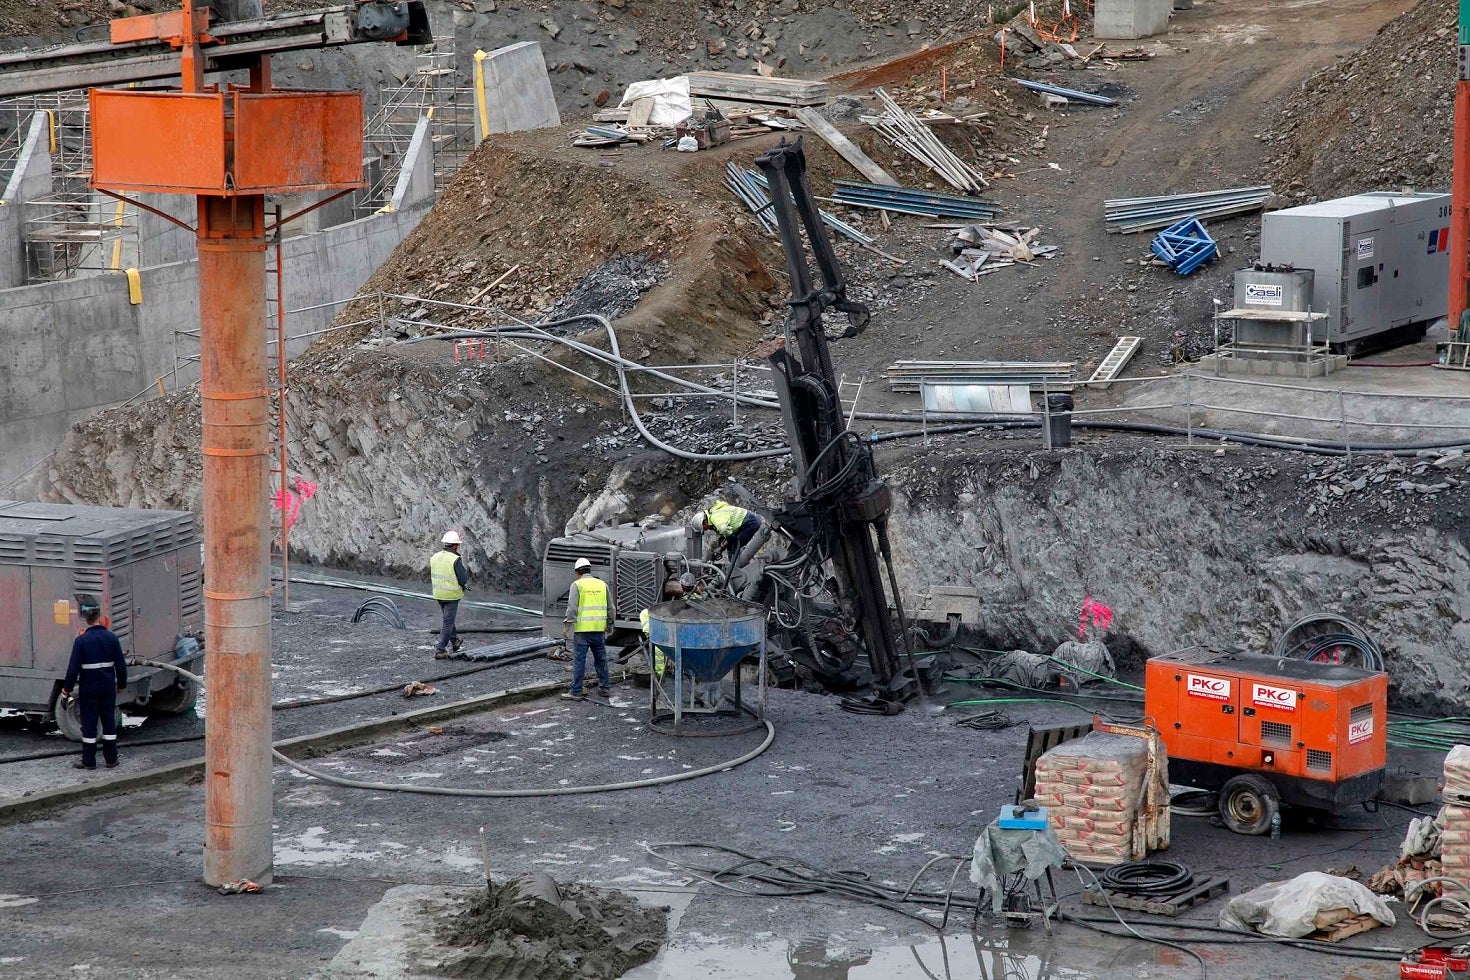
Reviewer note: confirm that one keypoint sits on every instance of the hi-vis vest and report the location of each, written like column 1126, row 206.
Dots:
column 591, row 605
column 441, row 573
column 726, row 518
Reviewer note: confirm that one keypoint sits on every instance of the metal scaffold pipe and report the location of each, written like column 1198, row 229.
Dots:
column 237, row 603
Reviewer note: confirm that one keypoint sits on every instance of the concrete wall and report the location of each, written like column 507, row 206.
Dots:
column 30, row 179
column 517, row 90
column 1129, row 19
column 71, row 348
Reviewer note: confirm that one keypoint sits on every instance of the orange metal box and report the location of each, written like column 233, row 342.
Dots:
column 226, row 143
column 1317, row 731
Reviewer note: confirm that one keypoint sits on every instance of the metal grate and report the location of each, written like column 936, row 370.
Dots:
column 561, row 552
column 1319, row 761
column 121, row 615
column 1363, row 712
column 1275, row 731
column 191, row 596
column 637, row 585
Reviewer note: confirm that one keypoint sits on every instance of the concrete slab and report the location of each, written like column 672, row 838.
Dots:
column 1130, row 19
column 517, row 91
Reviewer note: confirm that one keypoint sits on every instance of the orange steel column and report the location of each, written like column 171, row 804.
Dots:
column 237, row 605
column 1460, row 207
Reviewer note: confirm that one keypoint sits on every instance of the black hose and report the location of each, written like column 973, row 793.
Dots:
column 290, row 705
column 382, row 607
column 1147, row 878
column 1315, row 635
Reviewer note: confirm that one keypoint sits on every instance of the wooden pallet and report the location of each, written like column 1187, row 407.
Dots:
column 1197, row 894
column 758, row 89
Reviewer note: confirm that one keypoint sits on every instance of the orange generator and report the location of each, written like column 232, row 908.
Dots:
column 1263, row 731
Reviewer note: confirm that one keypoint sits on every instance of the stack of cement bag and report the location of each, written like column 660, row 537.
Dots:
column 1108, row 803
column 1455, row 817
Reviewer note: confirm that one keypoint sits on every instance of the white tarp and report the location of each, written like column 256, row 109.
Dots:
column 671, row 102
column 1288, row 908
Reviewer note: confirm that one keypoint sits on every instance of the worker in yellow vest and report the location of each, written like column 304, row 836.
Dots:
column 735, row 525
column 447, row 575
column 588, row 621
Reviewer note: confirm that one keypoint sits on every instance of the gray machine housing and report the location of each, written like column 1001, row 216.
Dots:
column 633, row 559
column 1270, row 291
column 142, row 565
column 1379, row 264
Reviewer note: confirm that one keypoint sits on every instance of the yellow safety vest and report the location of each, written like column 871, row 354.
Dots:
column 726, row 518
column 591, row 605
column 441, row 573
column 658, row 652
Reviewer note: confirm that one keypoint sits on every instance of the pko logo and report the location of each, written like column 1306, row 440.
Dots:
column 1360, row 731
column 1263, row 294
column 1217, row 688
column 1273, row 697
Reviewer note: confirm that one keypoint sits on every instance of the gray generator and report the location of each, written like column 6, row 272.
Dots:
column 633, row 559
column 1379, row 264
column 144, row 568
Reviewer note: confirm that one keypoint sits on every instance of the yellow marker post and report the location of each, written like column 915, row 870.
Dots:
column 117, row 244
column 480, row 107
column 135, row 287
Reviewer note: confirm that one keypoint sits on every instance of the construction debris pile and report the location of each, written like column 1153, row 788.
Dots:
column 911, row 134
column 982, row 249
column 1330, row 141
column 532, row 926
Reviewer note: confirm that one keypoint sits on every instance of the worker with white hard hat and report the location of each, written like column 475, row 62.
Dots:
column 447, row 574
column 588, row 621
column 734, row 525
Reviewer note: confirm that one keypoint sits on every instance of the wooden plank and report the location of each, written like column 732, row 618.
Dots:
column 1350, row 927
column 639, row 112
column 845, row 147
column 1170, row 906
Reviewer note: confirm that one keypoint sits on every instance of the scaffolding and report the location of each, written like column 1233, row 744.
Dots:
column 70, row 234
column 436, row 90
column 71, row 136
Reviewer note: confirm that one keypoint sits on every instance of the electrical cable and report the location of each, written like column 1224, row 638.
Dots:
column 491, row 793
column 779, row 876
column 287, row 705
column 1207, row 808
column 336, row 582
column 993, row 720
column 1204, row 971
column 382, row 607
column 620, row 364
column 1147, row 878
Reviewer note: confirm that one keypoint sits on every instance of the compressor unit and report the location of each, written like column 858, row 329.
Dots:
column 1263, row 731
column 144, row 568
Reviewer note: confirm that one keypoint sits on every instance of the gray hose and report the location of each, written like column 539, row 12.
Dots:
column 1318, row 447
column 335, row 780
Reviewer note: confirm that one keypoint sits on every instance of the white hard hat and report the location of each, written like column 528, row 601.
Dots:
column 582, row 563
column 451, row 537
column 699, row 518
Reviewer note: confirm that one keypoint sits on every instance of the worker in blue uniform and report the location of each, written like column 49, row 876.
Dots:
column 98, row 673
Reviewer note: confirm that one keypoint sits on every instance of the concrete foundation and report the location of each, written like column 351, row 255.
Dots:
column 1130, row 19
column 73, row 347
column 1319, row 367
column 517, row 91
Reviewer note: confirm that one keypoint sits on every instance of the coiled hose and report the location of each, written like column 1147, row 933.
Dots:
column 327, row 777
column 1147, row 878
column 1323, row 637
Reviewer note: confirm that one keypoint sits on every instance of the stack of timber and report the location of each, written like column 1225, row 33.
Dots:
column 732, row 87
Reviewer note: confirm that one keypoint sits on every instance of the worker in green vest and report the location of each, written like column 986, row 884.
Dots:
column 588, row 621
column 447, row 574
column 735, row 525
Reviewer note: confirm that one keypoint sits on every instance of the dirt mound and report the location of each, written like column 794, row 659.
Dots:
column 1379, row 119
column 531, row 226
column 534, row 929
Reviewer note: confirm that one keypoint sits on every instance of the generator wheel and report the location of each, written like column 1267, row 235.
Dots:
column 1247, row 804
column 175, row 700
column 69, row 718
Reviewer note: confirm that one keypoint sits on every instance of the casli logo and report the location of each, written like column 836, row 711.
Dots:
column 1260, row 294
column 1209, row 687
column 1365, row 248
column 1360, row 731
column 1274, row 697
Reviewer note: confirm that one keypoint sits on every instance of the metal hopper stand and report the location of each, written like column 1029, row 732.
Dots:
column 703, row 647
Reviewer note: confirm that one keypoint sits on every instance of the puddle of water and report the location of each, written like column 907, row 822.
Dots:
column 811, row 958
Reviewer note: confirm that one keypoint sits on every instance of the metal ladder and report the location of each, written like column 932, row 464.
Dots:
column 1117, row 359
